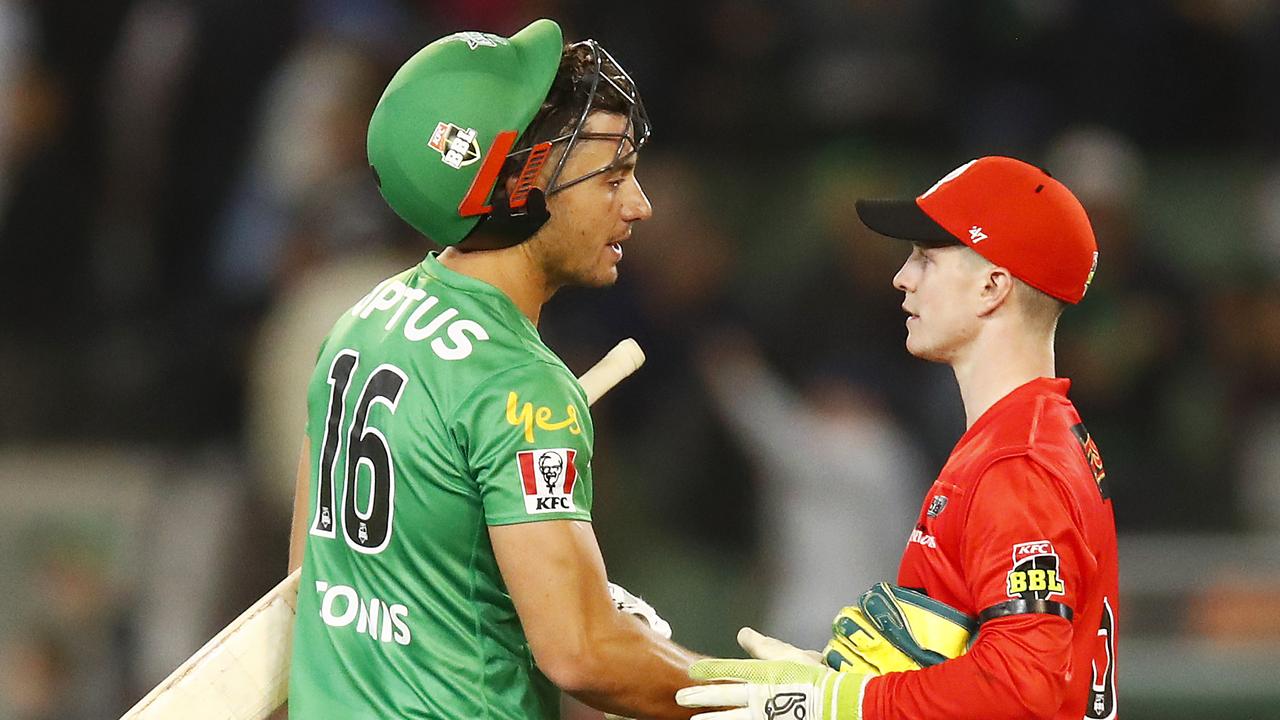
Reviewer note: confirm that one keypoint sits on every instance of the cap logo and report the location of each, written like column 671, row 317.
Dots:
column 948, row 178
column 1089, row 279
column 976, row 235
column 478, row 39
column 456, row 146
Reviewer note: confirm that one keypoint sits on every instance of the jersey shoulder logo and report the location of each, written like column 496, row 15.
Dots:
column 527, row 417
column 1093, row 457
column 1034, row 575
column 547, row 478
column 936, row 506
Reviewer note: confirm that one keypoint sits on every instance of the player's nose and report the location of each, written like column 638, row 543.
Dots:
column 901, row 279
column 636, row 205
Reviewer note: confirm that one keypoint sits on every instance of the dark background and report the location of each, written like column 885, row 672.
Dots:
column 185, row 207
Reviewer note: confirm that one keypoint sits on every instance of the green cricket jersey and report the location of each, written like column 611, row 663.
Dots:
column 434, row 411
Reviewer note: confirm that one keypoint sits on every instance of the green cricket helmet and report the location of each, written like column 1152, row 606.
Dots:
column 434, row 129
column 451, row 116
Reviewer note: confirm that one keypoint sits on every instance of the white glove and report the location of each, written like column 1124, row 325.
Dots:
column 632, row 605
column 763, row 647
column 773, row 690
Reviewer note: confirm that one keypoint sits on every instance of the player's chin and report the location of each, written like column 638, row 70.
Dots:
column 601, row 277
column 919, row 348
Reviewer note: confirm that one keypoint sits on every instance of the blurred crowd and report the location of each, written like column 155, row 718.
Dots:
column 185, row 207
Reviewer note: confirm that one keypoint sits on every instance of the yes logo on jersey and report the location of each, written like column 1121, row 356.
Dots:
column 1035, row 572
column 547, row 478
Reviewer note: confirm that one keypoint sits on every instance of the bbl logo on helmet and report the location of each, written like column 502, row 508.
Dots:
column 547, row 478
column 457, row 146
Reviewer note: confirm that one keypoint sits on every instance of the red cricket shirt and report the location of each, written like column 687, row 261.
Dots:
column 1018, row 521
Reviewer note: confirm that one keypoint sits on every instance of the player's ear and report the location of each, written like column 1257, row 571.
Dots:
column 997, row 289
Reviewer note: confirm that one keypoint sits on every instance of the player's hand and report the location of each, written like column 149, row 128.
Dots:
column 763, row 647
column 893, row 629
column 634, row 605
column 773, row 690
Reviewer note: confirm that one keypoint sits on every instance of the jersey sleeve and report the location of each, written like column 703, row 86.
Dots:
column 1020, row 544
column 526, row 437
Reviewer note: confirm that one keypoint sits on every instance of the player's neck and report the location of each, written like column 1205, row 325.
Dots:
column 996, row 363
column 511, row 270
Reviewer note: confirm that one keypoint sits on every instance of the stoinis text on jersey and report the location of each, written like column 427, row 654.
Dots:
column 341, row 606
column 425, row 321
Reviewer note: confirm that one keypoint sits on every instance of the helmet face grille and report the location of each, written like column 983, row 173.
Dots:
column 605, row 72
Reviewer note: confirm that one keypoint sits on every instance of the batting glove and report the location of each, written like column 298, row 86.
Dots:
column 773, row 690
column 763, row 647
column 633, row 605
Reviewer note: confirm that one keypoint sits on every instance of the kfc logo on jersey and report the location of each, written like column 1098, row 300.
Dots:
column 457, row 146
column 1035, row 572
column 547, row 477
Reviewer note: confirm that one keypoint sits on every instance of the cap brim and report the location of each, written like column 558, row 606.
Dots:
column 903, row 219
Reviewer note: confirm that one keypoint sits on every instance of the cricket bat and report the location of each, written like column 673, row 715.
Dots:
column 243, row 672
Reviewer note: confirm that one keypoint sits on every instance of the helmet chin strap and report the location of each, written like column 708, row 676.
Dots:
column 505, row 226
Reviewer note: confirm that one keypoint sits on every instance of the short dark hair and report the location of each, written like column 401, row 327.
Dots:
column 574, row 89
column 569, row 94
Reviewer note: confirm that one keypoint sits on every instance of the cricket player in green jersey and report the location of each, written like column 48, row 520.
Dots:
column 443, row 510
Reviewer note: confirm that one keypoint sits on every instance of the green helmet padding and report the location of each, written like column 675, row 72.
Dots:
column 441, row 112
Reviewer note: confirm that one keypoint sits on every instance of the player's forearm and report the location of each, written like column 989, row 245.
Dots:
column 628, row 670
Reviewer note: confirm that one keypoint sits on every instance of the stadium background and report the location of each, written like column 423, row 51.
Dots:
column 184, row 207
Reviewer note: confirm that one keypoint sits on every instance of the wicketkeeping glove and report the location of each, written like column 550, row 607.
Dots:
column 894, row 629
column 773, row 690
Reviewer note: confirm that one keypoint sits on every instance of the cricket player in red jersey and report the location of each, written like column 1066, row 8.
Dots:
column 1018, row 529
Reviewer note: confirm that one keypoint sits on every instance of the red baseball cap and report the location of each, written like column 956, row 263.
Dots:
column 1011, row 213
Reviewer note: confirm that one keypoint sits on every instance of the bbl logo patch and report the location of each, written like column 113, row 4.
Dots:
column 547, row 477
column 1035, row 572
column 456, row 145
column 937, row 505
